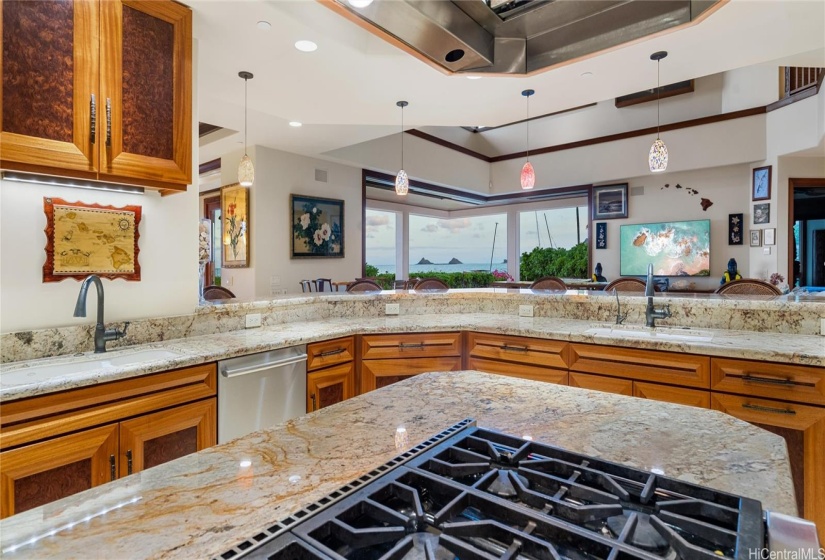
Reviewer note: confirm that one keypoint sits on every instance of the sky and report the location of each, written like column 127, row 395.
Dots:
column 470, row 240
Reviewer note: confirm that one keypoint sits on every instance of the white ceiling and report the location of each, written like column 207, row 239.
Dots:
column 345, row 92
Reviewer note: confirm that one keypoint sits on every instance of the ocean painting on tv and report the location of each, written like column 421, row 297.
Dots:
column 674, row 248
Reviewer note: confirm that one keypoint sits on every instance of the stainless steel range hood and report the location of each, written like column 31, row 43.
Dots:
column 521, row 36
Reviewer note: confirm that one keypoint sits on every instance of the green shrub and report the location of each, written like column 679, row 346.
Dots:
column 370, row 270
column 565, row 263
column 452, row 279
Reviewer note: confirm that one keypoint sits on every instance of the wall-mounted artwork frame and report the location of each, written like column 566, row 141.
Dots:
column 756, row 238
column 84, row 239
column 761, row 183
column 317, row 227
column 235, row 226
column 736, row 224
column 762, row 213
column 610, row 202
column 601, row 235
column 769, row 236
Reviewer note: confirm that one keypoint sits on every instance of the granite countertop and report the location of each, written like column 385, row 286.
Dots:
column 19, row 379
column 200, row 505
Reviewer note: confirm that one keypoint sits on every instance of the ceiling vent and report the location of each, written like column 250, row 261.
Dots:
column 321, row 175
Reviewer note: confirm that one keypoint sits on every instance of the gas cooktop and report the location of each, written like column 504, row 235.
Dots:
column 477, row 494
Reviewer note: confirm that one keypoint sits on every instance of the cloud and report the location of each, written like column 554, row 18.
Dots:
column 431, row 228
column 378, row 220
column 477, row 235
column 455, row 226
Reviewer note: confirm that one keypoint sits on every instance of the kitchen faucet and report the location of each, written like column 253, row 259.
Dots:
column 102, row 334
column 651, row 313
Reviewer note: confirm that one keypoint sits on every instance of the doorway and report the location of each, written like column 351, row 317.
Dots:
column 212, row 212
column 806, row 236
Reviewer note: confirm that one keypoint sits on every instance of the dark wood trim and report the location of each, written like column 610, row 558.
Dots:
column 804, row 94
column 209, row 166
column 447, row 144
column 634, row 133
column 364, row 226
column 793, row 184
column 206, row 128
column 537, row 117
column 379, row 179
column 208, row 203
column 649, row 95
column 210, row 191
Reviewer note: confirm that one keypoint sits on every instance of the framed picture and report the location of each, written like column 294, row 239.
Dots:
column 236, row 232
column 761, row 213
column 769, row 236
column 756, row 238
column 317, row 226
column 84, row 239
column 761, row 187
column 736, row 224
column 601, row 235
column 610, row 202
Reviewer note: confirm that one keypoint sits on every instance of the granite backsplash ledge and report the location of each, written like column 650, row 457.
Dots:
column 782, row 315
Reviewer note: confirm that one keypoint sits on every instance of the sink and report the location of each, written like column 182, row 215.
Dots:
column 658, row 333
column 38, row 374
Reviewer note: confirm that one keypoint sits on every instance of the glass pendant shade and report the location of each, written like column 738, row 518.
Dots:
column 528, row 176
column 246, row 172
column 402, row 183
column 658, row 156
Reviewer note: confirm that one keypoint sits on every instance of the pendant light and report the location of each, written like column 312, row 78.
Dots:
column 402, row 182
column 246, row 171
column 658, row 151
column 528, row 175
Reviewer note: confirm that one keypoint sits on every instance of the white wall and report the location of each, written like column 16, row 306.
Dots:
column 277, row 175
column 726, row 187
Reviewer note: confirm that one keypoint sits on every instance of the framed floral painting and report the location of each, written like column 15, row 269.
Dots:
column 317, row 226
column 235, row 209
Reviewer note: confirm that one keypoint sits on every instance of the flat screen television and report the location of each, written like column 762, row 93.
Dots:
column 674, row 248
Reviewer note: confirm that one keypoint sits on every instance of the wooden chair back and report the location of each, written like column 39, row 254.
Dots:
column 548, row 283
column 306, row 286
column 363, row 286
column 749, row 286
column 323, row 284
column 211, row 293
column 627, row 285
column 430, row 284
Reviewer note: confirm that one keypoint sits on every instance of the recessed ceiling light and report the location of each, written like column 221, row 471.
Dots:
column 306, row 46
column 296, row 124
column 473, row 77
column 360, row 3
column 587, row 74
column 264, row 25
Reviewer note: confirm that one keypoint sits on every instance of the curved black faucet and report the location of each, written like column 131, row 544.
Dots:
column 651, row 313
column 102, row 334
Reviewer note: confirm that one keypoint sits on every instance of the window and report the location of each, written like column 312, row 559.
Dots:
column 458, row 244
column 380, row 248
column 554, row 228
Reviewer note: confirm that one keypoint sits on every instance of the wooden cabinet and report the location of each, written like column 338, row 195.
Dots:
column 602, row 383
column 98, row 90
column 676, row 395
column 55, row 445
column 527, row 358
column 803, row 428
column 803, row 384
column 386, row 359
column 330, row 372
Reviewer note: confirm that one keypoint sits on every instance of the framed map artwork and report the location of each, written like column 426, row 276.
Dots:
column 84, row 239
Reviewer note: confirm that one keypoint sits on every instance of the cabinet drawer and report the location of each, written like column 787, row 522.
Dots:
column 677, row 395
column 533, row 351
column 805, row 384
column 330, row 352
column 524, row 371
column 645, row 365
column 378, row 373
column 410, row 345
column 602, row 383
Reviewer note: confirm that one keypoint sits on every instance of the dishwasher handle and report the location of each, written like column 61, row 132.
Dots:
column 235, row 372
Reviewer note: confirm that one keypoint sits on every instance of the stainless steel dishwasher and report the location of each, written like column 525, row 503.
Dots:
column 260, row 390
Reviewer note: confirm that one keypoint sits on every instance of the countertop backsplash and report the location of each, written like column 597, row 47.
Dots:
column 785, row 314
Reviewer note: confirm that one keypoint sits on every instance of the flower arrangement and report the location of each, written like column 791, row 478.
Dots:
column 776, row 279
column 313, row 226
column 502, row 275
column 237, row 227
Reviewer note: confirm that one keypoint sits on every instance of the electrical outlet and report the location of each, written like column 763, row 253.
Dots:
column 253, row 320
column 392, row 309
column 766, row 250
column 525, row 310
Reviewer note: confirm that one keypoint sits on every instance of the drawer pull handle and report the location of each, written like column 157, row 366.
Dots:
column 403, row 345
column 768, row 409
column 129, row 461
column 108, row 122
column 511, row 348
column 772, row 381
column 332, row 352
column 111, row 467
column 312, row 398
column 93, row 122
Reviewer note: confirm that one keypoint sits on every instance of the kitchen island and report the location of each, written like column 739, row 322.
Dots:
column 203, row 504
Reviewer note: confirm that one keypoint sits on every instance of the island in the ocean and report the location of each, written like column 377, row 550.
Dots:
column 455, row 261
column 423, row 261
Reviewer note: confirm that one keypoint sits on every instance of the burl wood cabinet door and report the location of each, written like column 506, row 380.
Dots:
column 40, row 473
column 146, row 91
column 50, row 113
column 329, row 386
column 154, row 439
